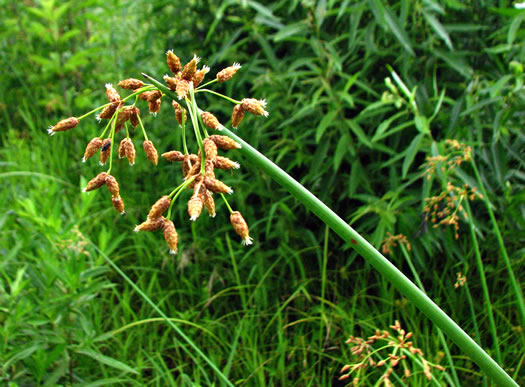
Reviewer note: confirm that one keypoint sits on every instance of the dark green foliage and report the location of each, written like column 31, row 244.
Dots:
column 270, row 314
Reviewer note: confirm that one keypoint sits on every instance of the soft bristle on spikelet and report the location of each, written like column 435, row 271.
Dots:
column 112, row 185
column 217, row 186
column 170, row 235
column 151, row 224
column 210, row 121
column 241, row 227
column 225, row 163
column 173, row 62
column 199, row 76
column 237, row 115
column 92, row 147
column 112, row 94
column 224, row 142
column 228, row 72
column 63, row 125
column 255, row 106
column 118, row 204
column 97, row 182
column 151, row 152
column 159, row 207
column 190, row 68
column 195, row 207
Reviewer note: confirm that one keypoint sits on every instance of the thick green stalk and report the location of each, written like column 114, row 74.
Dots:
column 371, row 255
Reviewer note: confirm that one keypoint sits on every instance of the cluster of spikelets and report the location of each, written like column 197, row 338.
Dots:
column 392, row 241
column 399, row 350
column 198, row 169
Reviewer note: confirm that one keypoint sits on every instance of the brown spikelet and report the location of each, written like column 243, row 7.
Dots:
column 195, row 168
column 151, row 224
column 154, row 105
column 130, row 152
column 195, row 207
column 113, row 95
column 97, row 182
column 224, row 142
column 134, row 118
column 228, row 72
column 118, row 204
column 210, row 149
column 171, row 82
column 183, row 86
column 199, row 76
column 108, row 111
column 190, row 68
column 112, row 185
column 170, row 235
column 63, row 125
column 210, row 121
column 225, row 163
column 237, row 115
column 131, row 84
column 159, row 207
column 122, row 148
column 92, row 147
column 179, row 111
column 241, row 227
column 216, row 186
column 173, row 156
column 105, row 150
column 194, row 158
column 208, row 169
column 186, row 165
column 173, row 62
column 150, row 95
column 209, row 203
column 151, row 152
column 255, row 106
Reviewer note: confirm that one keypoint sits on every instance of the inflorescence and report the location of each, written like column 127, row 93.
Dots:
column 198, row 169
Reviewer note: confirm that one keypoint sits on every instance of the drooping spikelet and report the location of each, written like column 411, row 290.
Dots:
column 134, row 118
column 179, row 111
column 154, row 106
column 130, row 152
column 159, row 207
column 183, row 86
column 113, row 95
column 195, row 168
column 131, row 84
column 108, row 111
column 210, row 121
column 237, row 115
column 97, row 182
column 228, row 72
column 151, row 152
column 92, row 147
column 122, row 148
column 195, row 207
column 224, row 142
column 170, row 235
column 190, row 68
column 150, row 95
column 171, row 82
column 199, row 76
column 173, row 156
column 255, row 106
column 105, row 150
column 173, row 62
column 208, row 169
column 209, row 203
column 61, row 126
column 118, row 204
column 112, row 185
column 225, row 163
column 241, row 227
column 210, row 149
column 217, row 186
column 151, row 224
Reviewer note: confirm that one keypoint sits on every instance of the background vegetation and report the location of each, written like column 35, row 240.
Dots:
column 277, row 313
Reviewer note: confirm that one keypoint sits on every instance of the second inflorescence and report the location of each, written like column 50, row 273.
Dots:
column 198, row 169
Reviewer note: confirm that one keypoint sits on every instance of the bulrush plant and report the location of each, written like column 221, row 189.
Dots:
column 198, row 168
column 199, row 176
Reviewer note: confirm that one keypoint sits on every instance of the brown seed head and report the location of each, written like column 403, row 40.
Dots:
column 173, row 156
column 237, row 115
column 217, row 186
column 125, row 114
column 208, row 169
column 179, row 110
column 183, row 86
column 97, row 182
column 131, row 84
column 118, row 204
column 122, row 148
column 199, row 76
column 224, row 142
column 210, row 149
column 92, row 147
column 255, row 106
column 228, row 72
column 112, row 185
column 159, row 207
column 151, row 224
column 154, row 106
column 241, row 227
column 225, row 163
column 108, row 111
column 130, row 152
column 113, row 95
column 209, row 203
column 191, row 67
column 195, row 169
column 210, row 121
column 151, row 152
column 171, row 82
column 150, row 95
column 134, row 118
column 61, row 126
column 170, row 235
column 195, row 207
column 105, row 150
column 173, row 62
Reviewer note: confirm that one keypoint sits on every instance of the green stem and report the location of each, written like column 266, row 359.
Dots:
column 371, row 255
column 207, row 83
column 183, row 121
column 515, row 286
column 112, row 134
column 93, row 111
column 142, row 127
column 192, row 106
column 219, row 95
column 484, row 286
column 227, row 204
column 176, row 192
